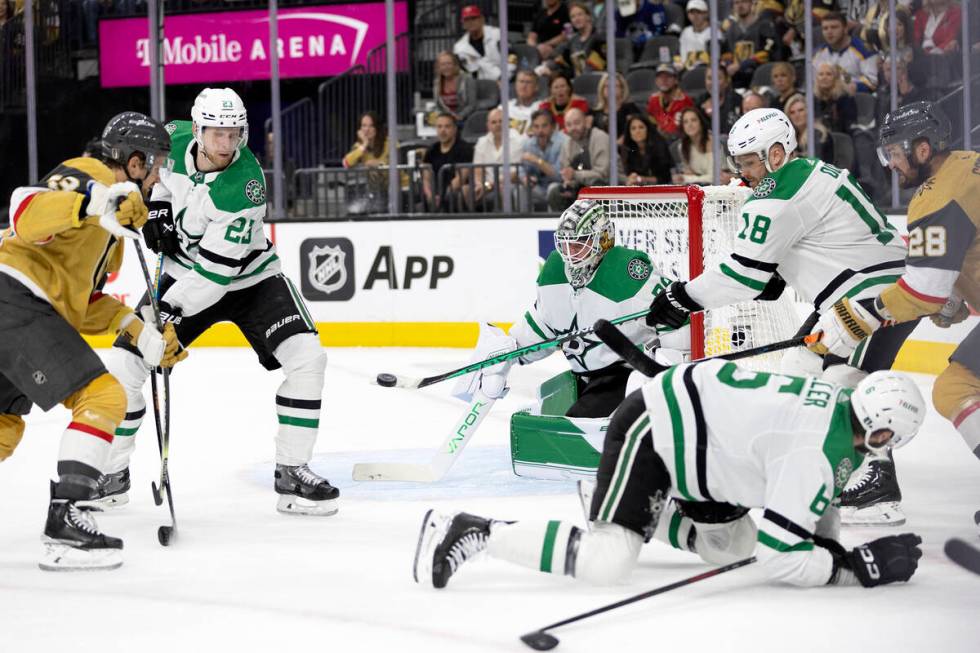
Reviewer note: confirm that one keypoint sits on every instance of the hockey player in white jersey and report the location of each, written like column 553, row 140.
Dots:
column 206, row 216
column 684, row 461
column 813, row 224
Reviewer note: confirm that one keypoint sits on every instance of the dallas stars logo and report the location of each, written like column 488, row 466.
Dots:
column 638, row 269
column 255, row 192
column 765, row 187
column 577, row 349
column 843, row 472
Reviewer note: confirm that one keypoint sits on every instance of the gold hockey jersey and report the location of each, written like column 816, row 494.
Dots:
column 944, row 242
column 62, row 255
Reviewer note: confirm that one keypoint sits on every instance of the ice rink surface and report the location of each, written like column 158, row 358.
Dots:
column 242, row 577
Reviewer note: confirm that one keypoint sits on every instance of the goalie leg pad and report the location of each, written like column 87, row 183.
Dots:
column 11, row 432
column 298, row 399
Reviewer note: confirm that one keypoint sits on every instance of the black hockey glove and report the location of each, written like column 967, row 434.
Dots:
column 160, row 232
column 882, row 561
column 672, row 307
column 773, row 290
column 169, row 313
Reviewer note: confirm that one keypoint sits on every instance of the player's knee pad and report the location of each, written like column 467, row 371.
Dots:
column 844, row 375
column 100, row 404
column 721, row 544
column 607, row 554
column 302, row 356
column 955, row 388
column 11, row 431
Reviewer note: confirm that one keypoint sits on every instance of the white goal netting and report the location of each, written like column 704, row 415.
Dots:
column 664, row 222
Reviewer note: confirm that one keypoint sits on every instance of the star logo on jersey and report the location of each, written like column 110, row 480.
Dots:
column 638, row 269
column 843, row 472
column 765, row 187
column 171, row 127
column 255, row 192
column 577, row 349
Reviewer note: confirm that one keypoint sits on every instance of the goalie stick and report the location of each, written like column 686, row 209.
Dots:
column 445, row 456
column 394, row 381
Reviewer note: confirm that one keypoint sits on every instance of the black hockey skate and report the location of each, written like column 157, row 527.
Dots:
column 873, row 497
column 302, row 492
column 445, row 543
column 72, row 540
column 112, row 491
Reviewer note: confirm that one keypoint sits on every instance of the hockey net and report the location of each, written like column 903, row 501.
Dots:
column 686, row 230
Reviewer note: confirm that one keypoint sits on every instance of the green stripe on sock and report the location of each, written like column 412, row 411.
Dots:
column 299, row 421
column 548, row 548
column 126, row 431
column 675, row 527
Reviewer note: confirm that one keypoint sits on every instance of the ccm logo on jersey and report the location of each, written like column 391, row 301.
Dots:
column 281, row 323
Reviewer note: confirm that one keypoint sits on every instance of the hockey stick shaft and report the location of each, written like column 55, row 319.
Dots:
column 645, row 595
column 510, row 355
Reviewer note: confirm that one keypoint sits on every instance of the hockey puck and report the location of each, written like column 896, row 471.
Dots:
column 164, row 533
column 387, row 380
column 540, row 640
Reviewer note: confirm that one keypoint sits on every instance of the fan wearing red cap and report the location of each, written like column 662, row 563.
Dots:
column 479, row 47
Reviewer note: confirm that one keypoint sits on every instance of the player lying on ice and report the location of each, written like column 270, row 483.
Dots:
column 688, row 455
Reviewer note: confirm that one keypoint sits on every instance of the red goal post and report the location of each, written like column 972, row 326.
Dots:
column 686, row 229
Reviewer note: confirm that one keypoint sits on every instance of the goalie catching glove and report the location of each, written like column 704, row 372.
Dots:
column 846, row 324
column 156, row 349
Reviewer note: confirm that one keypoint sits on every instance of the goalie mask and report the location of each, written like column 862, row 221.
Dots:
column 584, row 235
column 888, row 400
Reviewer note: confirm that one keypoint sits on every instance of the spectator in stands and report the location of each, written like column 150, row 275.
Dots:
column 697, row 157
column 524, row 103
column 666, row 104
column 905, row 44
column 371, row 148
column 584, row 160
column 641, row 20
column 753, row 100
column 561, row 99
column 540, row 158
column 874, row 24
column 447, row 151
column 907, row 91
column 489, row 150
column 792, row 25
column 585, row 50
column 695, row 37
column 644, row 153
column 548, row 29
column 455, row 93
column 795, row 109
column 6, row 11
column 750, row 41
column 731, row 102
column 848, row 53
column 832, row 104
column 479, row 48
column 938, row 26
column 624, row 107
column 783, row 84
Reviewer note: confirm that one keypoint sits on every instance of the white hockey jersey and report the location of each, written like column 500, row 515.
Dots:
column 758, row 440
column 814, row 224
column 624, row 283
column 219, row 224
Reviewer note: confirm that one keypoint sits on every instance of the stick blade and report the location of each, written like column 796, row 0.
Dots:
column 963, row 553
column 540, row 640
column 395, row 472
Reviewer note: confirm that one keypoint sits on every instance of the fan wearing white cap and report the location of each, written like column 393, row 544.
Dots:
column 695, row 37
column 810, row 224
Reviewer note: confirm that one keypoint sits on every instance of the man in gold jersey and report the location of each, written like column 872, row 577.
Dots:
column 66, row 235
column 942, row 274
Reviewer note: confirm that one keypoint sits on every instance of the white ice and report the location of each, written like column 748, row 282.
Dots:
column 243, row 577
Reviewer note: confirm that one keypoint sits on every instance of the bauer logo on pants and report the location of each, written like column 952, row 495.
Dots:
column 327, row 269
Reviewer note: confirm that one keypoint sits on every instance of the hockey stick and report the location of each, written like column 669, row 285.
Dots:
column 165, row 534
column 394, row 381
column 619, row 343
column 540, row 640
column 445, row 456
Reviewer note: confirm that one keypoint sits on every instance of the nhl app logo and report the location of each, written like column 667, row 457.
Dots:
column 327, row 269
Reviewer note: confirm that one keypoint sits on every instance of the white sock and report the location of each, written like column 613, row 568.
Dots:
column 967, row 422
column 536, row 545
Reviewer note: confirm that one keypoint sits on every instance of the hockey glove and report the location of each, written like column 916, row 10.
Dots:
column 159, row 232
column 845, row 325
column 144, row 337
column 173, row 351
column 672, row 307
column 882, row 561
column 119, row 208
column 954, row 311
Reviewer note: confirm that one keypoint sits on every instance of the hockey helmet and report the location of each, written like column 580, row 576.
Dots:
column 129, row 133
column 888, row 400
column 757, row 131
column 219, row 107
column 584, row 234
column 912, row 122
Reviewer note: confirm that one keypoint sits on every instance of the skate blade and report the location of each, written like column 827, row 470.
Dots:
column 886, row 513
column 434, row 527
column 57, row 556
column 106, row 503
column 585, row 491
column 290, row 504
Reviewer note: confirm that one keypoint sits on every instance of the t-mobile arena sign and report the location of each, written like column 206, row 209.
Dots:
column 234, row 45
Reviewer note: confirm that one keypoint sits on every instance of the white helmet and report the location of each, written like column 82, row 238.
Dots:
column 757, row 131
column 889, row 400
column 584, row 235
column 218, row 107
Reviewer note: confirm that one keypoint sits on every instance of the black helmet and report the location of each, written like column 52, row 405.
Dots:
column 131, row 132
column 912, row 122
